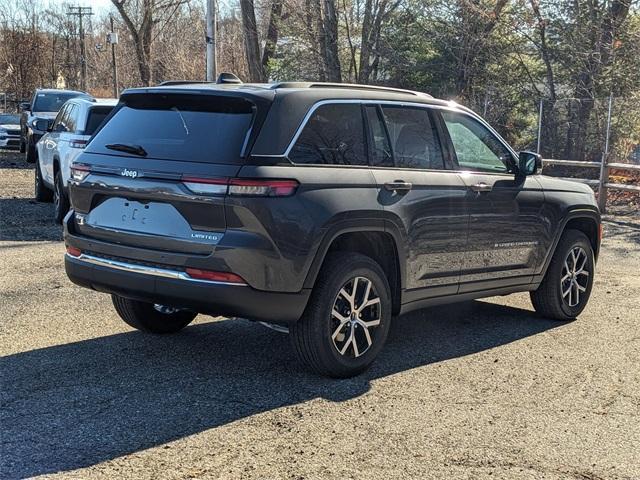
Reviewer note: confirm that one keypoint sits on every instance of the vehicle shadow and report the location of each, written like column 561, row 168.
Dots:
column 10, row 158
column 24, row 219
column 75, row 405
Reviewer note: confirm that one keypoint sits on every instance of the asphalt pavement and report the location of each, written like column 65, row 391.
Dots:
column 483, row 389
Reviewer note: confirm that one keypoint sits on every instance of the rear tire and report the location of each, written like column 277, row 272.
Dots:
column 60, row 199
column 346, row 322
column 41, row 191
column 566, row 287
column 145, row 317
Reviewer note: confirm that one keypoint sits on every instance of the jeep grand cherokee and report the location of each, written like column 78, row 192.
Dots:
column 326, row 208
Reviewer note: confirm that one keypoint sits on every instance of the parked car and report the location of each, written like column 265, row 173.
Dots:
column 45, row 104
column 9, row 130
column 326, row 209
column 70, row 132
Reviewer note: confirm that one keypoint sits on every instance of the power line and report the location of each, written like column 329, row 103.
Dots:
column 81, row 12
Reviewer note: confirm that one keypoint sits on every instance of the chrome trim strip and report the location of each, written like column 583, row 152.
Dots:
column 145, row 270
column 454, row 107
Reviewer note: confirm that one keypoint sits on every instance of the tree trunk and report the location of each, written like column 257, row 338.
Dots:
column 331, row 58
column 365, row 45
column 251, row 45
column 275, row 17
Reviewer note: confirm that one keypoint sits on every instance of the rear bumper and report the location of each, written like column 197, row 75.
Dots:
column 165, row 286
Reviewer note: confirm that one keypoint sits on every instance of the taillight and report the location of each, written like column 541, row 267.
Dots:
column 240, row 186
column 73, row 251
column 599, row 234
column 79, row 171
column 206, row 186
column 78, row 143
column 224, row 277
column 262, row 188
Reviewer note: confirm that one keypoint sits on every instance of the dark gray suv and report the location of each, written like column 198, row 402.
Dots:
column 328, row 209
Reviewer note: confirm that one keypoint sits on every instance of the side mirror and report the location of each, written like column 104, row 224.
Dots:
column 25, row 106
column 529, row 163
column 42, row 124
column 60, row 128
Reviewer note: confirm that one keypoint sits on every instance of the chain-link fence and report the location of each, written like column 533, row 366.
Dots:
column 596, row 141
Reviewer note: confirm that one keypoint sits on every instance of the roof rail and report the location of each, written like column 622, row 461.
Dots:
column 181, row 82
column 351, row 86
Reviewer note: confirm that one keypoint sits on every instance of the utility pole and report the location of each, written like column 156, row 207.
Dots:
column 212, row 64
column 81, row 12
column 112, row 38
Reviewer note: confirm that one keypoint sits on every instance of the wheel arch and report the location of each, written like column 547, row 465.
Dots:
column 590, row 227
column 372, row 241
column 584, row 220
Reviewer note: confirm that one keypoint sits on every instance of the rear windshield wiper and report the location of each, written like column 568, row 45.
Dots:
column 123, row 147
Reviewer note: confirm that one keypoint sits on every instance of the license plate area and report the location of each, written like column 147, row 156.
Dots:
column 146, row 218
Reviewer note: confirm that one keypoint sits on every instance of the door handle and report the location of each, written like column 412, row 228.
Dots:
column 481, row 187
column 398, row 186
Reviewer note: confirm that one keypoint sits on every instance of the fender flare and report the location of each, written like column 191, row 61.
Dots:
column 350, row 226
column 580, row 212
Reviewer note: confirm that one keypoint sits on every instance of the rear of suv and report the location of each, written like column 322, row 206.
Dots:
column 44, row 106
column 327, row 209
column 65, row 139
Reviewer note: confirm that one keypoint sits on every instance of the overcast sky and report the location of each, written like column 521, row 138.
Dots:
column 96, row 4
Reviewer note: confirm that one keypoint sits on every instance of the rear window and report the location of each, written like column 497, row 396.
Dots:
column 52, row 102
column 95, row 118
column 194, row 128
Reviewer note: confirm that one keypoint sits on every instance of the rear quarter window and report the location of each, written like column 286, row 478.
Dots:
column 334, row 134
column 183, row 127
column 95, row 117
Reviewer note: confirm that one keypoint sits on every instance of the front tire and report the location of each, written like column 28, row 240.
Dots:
column 41, row 191
column 151, row 318
column 346, row 322
column 30, row 152
column 60, row 199
column 566, row 287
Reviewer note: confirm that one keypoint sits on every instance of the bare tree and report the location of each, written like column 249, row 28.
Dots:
column 251, row 41
column 275, row 17
column 141, row 18
column 329, row 37
column 375, row 13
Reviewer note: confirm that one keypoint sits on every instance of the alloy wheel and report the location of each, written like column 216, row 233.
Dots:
column 355, row 317
column 574, row 277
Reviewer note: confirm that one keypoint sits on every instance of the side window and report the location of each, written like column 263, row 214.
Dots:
column 72, row 118
column 58, row 119
column 334, row 134
column 414, row 138
column 476, row 147
column 380, row 154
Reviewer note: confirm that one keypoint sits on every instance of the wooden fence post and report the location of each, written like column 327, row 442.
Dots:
column 604, row 169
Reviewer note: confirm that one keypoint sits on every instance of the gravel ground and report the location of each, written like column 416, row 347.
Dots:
column 484, row 389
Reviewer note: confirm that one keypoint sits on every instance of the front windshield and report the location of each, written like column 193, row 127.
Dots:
column 9, row 120
column 52, row 101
